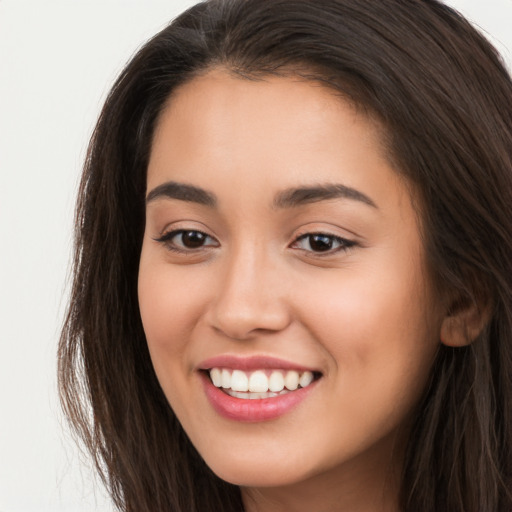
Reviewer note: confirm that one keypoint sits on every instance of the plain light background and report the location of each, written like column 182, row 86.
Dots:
column 57, row 61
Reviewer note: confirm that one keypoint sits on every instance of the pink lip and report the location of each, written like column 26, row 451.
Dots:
column 245, row 410
column 251, row 363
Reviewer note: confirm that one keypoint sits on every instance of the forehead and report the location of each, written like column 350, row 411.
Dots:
column 284, row 122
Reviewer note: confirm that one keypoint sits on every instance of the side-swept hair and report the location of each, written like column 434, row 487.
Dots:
column 444, row 98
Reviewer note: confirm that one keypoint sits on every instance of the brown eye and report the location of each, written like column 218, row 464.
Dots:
column 187, row 240
column 192, row 239
column 322, row 242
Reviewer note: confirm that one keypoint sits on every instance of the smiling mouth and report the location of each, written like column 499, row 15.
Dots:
column 260, row 384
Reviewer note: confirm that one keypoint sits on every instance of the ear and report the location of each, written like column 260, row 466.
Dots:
column 463, row 323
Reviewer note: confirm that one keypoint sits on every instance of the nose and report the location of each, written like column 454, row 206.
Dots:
column 251, row 297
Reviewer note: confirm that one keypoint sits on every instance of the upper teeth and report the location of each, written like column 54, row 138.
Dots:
column 260, row 381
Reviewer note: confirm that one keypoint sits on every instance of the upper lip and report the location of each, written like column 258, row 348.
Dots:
column 256, row 362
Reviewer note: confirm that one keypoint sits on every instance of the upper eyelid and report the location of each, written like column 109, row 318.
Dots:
column 329, row 235
column 320, row 233
column 324, row 232
column 312, row 228
column 185, row 225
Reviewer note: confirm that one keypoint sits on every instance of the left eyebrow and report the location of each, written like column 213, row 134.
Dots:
column 294, row 197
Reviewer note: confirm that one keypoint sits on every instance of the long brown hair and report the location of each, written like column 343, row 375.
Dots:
column 445, row 100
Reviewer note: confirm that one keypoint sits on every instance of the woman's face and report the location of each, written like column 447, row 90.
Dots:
column 280, row 246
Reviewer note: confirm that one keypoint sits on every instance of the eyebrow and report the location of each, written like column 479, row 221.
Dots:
column 289, row 198
column 182, row 192
column 293, row 197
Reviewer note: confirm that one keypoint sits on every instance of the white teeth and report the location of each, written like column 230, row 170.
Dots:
column 260, row 383
column 239, row 381
column 291, row 380
column 254, row 396
column 306, row 379
column 216, row 376
column 276, row 382
column 226, row 379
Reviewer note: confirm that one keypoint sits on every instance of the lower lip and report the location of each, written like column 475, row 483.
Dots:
column 263, row 409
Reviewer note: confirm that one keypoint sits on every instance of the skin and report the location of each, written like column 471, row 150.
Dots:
column 363, row 314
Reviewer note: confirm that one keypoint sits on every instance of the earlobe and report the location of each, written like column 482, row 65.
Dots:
column 462, row 325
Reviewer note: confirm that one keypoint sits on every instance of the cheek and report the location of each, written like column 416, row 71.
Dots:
column 376, row 326
column 169, row 305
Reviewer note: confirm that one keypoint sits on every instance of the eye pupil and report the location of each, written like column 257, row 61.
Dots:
column 320, row 243
column 193, row 239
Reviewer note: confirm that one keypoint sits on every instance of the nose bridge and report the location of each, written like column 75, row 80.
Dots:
column 250, row 294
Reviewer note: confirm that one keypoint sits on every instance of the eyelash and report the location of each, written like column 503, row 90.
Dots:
column 343, row 243
column 167, row 240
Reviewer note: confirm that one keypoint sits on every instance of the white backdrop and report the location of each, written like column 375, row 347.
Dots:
column 57, row 62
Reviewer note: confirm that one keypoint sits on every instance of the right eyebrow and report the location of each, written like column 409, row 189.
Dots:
column 182, row 192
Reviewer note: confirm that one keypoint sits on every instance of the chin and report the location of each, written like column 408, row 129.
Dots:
column 263, row 473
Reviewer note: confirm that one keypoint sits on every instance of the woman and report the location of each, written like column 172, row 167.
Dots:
column 293, row 284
